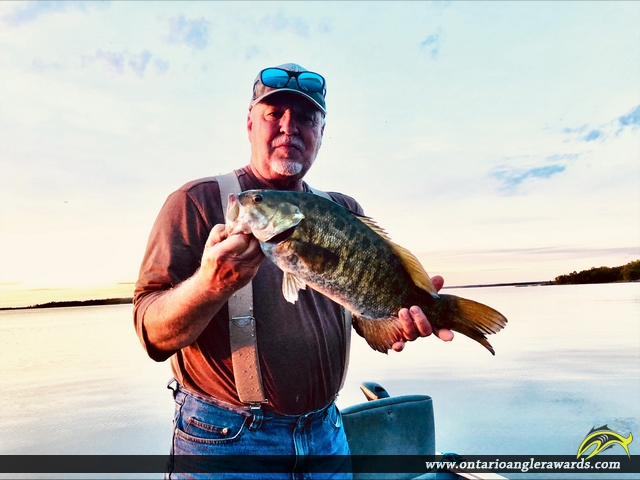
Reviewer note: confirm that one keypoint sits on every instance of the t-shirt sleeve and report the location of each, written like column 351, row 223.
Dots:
column 346, row 201
column 173, row 254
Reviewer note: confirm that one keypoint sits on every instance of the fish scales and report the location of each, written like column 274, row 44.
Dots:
column 354, row 274
column 347, row 257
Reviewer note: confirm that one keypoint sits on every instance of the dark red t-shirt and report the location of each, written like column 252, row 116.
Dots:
column 301, row 346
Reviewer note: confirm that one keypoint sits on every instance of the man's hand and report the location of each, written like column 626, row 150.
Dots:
column 415, row 323
column 229, row 262
column 177, row 316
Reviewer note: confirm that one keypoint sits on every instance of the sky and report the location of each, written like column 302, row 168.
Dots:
column 498, row 141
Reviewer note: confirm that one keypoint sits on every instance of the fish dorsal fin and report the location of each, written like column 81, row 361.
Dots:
column 414, row 268
column 290, row 286
column 370, row 222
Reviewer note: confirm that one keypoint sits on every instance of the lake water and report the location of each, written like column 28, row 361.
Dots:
column 76, row 380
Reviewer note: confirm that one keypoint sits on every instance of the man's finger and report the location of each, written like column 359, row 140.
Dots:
column 242, row 245
column 445, row 334
column 438, row 282
column 409, row 329
column 216, row 235
column 419, row 319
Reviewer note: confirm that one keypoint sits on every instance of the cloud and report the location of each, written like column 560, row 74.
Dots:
column 117, row 62
column 604, row 130
column 433, row 43
column 161, row 66
column 630, row 119
column 594, row 135
column 513, row 177
column 31, row 11
column 114, row 61
column 581, row 129
column 325, row 25
column 294, row 24
column 139, row 62
column 191, row 32
column 562, row 156
column 252, row 52
column 40, row 66
column 570, row 251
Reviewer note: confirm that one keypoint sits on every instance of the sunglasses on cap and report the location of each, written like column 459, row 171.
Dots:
column 309, row 82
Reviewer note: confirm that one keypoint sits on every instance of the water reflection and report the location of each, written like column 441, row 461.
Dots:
column 76, row 380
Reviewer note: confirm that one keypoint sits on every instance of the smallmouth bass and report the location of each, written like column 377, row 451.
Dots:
column 350, row 259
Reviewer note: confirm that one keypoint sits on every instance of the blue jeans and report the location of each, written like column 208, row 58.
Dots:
column 213, row 439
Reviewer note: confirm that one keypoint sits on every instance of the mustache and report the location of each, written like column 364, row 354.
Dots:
column 289, row 141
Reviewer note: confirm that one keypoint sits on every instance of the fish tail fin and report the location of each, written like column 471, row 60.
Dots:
column 473, row 319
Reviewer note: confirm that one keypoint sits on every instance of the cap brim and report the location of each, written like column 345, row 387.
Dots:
column 281, row 90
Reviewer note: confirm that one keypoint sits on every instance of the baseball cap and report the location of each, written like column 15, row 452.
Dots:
column 290, row 77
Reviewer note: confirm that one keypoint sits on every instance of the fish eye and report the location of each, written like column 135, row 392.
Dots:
column 257, row 198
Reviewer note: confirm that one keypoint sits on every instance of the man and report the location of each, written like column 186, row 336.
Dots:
column 192, row 268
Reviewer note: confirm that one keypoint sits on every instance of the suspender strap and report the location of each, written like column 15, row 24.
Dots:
column 347, row 348
column 242, row 324
column 346, row 314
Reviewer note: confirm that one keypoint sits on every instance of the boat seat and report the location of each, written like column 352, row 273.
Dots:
column 402, row 425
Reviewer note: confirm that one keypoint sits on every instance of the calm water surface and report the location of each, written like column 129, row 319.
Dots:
column 76, row 380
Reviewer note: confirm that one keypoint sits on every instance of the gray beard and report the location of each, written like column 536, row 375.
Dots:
column 286, row 167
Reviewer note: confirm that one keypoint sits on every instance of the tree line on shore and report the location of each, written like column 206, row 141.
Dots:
column 76, row 303
column 624, row 273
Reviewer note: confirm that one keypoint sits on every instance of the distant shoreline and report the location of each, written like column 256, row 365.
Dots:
column 125, row 300
column 515, row 284
column 75, row 303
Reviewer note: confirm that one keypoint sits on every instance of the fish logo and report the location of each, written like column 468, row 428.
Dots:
column 603, row 438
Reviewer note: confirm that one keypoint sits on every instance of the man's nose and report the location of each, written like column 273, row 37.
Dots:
column 288, row 123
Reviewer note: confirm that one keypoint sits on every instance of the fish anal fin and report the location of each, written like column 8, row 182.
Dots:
column 413, row 266
column 380, row 334
column 290, row 286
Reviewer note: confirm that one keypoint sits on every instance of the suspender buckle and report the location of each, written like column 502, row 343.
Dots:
column 243, row 321
column 257, row 416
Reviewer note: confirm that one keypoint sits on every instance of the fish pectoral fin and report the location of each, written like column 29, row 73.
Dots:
column 290, row 286
column 315, row 257
column 380, row 334
column 413, row 266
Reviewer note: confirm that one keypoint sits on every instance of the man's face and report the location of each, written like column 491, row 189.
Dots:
column 285, row 131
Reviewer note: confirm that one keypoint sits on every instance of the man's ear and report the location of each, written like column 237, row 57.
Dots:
column 249, row 124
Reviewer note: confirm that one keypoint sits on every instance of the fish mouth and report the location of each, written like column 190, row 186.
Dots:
column 282, row 237
column 233, row 208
